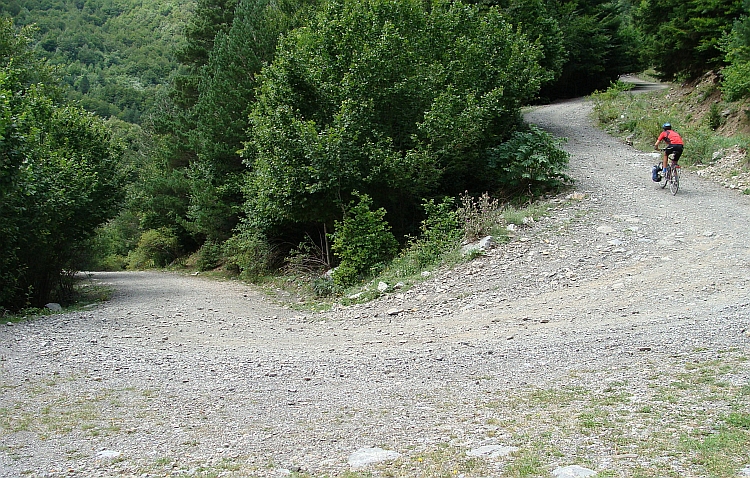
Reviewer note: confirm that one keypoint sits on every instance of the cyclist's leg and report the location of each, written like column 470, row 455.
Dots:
column 677, row 152
column 674, row 150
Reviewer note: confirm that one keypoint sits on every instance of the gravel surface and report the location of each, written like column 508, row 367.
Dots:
column 554, row 349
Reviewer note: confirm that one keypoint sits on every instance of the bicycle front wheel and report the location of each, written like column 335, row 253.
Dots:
column 674, row 181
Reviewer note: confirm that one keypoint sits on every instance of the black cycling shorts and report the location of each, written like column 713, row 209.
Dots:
column 675, row 149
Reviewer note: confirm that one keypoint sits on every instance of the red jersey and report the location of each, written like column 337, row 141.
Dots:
column 670, row 136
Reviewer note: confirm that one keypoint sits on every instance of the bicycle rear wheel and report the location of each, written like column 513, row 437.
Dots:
column 674, row 180
column 664, row 178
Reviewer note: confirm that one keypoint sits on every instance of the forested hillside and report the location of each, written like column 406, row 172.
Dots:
column 303, row 135
column 115, row 55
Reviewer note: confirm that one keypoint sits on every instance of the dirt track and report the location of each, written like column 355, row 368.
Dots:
column 620, row 283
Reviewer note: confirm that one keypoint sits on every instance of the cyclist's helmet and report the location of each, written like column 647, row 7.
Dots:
column 666, row 126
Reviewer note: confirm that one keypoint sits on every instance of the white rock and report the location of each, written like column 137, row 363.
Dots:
column 426, row 273
column 605, row 229
column 492, row 451
column 367, row 456
column 54, row 307
column 108, row 455
column 382, row 286
column 486, row 243
column 572, row 471
column 745, row 471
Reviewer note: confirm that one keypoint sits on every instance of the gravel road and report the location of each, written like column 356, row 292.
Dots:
column 619, row 291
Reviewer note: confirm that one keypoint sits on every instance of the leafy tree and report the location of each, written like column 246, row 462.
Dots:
column 226, row 96
column 114, row 56
column 601, row 44
column 210, row 18
column 586, row 44
column 536, row 19
column 398, row 100
column 59, row 177
column 683, row 37
column 736, row 46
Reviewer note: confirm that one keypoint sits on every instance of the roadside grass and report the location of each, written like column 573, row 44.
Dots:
column 637, row 118
column 688, row 421
column 86, row 291
column 314, row 292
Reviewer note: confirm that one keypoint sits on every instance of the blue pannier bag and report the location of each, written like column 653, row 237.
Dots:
column 655, row 176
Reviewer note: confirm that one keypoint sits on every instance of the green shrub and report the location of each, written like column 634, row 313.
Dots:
column 700, row 145
column 736, row 84
column 362, row 241
column 606, row 102
column 714, row 117
column 530, row 161
column 440, row 234
column 156, row 248
column 249, row 254
column 323, row 286
column 209, row 256
column 440, row 231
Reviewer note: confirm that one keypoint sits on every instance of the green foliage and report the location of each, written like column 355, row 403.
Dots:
column 210, row 256
column 440, row 231
column 112, row 262
column 736, row 84
column 683, row 38
column 386, row 98
column 530, row 161
column 248, row 253
column 736, row 46
column 210, row 18
column 714, row 118
column 600, row 41
column 156, row 248
column 586, row 43
column 59, row 177
column 536, row 20
column 440, row 235
column 226, row 94
column 362, row 241
column 114, row 55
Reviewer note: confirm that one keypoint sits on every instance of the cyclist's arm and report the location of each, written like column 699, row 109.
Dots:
column 658, row 140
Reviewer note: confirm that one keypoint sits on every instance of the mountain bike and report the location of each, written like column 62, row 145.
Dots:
column 671, row 175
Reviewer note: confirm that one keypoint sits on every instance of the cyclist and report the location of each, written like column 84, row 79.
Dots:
column 674, row 144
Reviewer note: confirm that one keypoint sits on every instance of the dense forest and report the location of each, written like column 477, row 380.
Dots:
column 115, row 56
column 260, row 135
